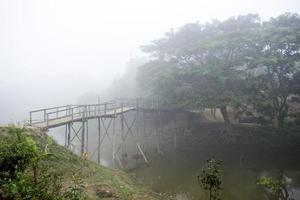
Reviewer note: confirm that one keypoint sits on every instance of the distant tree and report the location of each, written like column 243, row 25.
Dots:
column 239, row 62
column 295, row 84
column 277, row 62
column 125, row 86
column 202, row 65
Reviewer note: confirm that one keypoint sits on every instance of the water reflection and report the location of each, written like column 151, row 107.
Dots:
column 176, row 174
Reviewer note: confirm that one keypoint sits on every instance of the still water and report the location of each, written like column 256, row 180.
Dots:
column 176, row 174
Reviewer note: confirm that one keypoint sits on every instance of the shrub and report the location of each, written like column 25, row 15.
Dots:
column 210, row 178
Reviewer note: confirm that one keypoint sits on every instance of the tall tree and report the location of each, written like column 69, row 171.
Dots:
column 276, row 64
column 202, row 65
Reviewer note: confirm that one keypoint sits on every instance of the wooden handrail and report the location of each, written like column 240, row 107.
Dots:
column 90, row 110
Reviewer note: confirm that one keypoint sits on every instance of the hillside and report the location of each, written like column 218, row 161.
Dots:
column 99, row 182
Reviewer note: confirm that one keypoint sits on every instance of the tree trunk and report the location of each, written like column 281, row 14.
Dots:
column 210, row 193
column 225, row 116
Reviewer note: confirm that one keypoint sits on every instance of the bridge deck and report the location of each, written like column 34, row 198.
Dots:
column 57, row 116
column 58, row 121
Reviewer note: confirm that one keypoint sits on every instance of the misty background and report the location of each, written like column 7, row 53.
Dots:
column 63, row 52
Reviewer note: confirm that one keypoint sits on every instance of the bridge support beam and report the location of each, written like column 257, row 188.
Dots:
column 82, row 137
column 87, row 136
column 75, row 119
column 99, row 141
column 123, row 153
column 114, row 141
column 67, row 136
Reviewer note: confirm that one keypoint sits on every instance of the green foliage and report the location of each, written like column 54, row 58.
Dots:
column 210, row 178
column 75, row 191
column 19, row 163
column 276, row 64
column 201, row 65
column 54, row 173
column 239, row 62
column 277, row 187
column 16, row 154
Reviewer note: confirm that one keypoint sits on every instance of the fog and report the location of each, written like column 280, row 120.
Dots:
column 54, row 52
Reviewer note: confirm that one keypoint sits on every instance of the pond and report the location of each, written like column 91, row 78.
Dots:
column 175, row 173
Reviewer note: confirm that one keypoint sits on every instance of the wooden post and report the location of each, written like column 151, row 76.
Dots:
column 137, row 118
column 69, row 135
column 144, row 133
column 114, row 141
column 122, row 136
column 157, row 136
column 99, row 141
column 47, row 119
column 45, row 115
column 72, row 112
column 141, row 151
column 82, row 137
column 87, row 136
column 66, row 136
column 30, row 119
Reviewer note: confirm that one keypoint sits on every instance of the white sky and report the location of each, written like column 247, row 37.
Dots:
column 52, row 51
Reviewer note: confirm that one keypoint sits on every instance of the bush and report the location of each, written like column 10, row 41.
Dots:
column 16, row 154
column 277, row 188
column 210, row 178
column 19, row 162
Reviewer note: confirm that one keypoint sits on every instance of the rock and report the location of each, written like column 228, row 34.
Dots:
column 104, row 193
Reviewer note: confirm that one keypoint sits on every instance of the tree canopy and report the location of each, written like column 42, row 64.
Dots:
column 237, row 62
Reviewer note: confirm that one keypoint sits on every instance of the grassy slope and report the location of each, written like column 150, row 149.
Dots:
column 95, row 177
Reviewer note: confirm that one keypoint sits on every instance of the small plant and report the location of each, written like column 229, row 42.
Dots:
column 276, row 187
column 210, row 178
column 76, row 190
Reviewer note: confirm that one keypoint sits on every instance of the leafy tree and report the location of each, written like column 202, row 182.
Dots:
column 295, row 84
column 202, row 65
column 240, row 62
column 276, row 63
column 210, row 178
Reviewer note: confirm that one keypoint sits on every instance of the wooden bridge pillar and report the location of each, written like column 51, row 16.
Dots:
column 145, row 134
column 99, row 141
column 114, row 141
column 82, row 137
column 123, row 153
column 69, row 135
column 87, row 136
column 75, row 119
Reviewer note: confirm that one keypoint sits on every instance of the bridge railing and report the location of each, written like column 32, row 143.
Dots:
column 41, row 115
column 73, row 112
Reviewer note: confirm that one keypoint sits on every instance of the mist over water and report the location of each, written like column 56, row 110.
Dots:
column 63, row 52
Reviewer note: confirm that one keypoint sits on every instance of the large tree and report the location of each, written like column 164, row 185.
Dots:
column 276, row 63
column 202, row 65
column 237, row 62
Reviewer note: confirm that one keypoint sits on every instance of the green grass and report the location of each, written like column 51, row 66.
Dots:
column 65, row 165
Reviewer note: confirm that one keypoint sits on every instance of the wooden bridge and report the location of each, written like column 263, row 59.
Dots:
column 57, row 116
column 68, row 115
